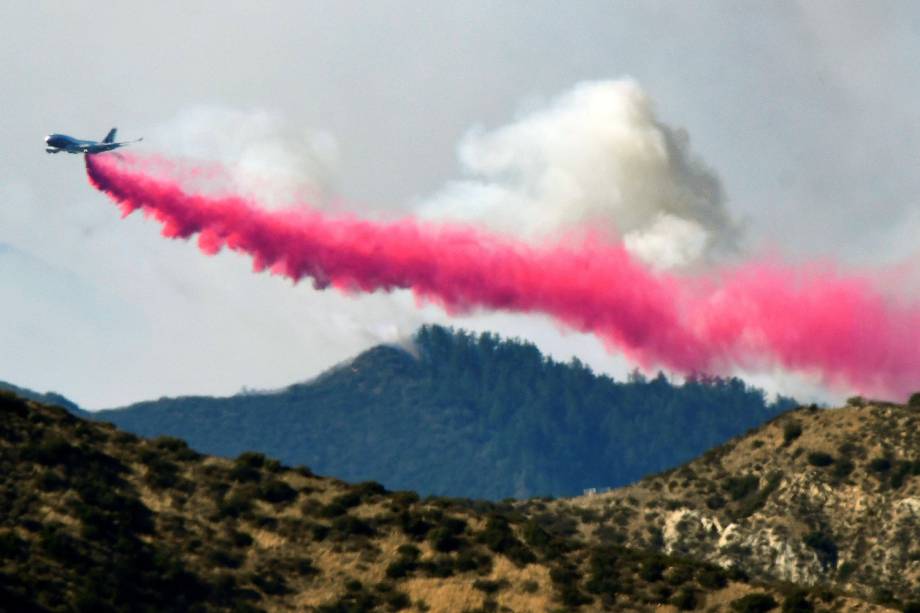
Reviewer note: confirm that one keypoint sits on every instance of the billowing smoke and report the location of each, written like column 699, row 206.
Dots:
column 256, row 152
column 595, row 157
column 809, row 319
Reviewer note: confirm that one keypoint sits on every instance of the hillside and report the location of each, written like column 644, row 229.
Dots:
column 50, row 398
column 813, row 497
column 94, row 519
column 467, row 415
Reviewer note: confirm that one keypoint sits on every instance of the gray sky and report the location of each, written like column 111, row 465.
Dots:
column 806, row 112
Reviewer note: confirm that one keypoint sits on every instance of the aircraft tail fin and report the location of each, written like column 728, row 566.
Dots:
column 110, row 137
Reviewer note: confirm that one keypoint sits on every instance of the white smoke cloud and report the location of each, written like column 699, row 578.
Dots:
column 595, row 158
column 264, row 156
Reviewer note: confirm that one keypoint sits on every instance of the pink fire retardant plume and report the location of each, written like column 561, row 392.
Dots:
column 809, row 319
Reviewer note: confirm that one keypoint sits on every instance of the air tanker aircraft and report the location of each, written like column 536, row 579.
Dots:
column 61, row 142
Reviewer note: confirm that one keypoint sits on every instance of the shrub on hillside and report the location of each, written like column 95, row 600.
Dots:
column 349, row 525
column 305, row 567
column 715, row 502
column 902, row 470
column 842, row 468
column 277, row 491
column 880, row 465
column 52, row 450
column 820, row 459
column 177, row 447
column 349, row 500
column 396, row 600
column 12, row 547
column 304, row 471
column 444, row 540
column 603, row 578
column 797, row 602
column 404, row 498
column 499, row 537
column 757, row 602
column 489, row 587
column 845, row 570
column 368, row 490
column 270, row 582
column 236, row 504
column 736, row 573
column 402, row 566
column 244, row 472
column 685, row 599
column 824, row 546
column 608, row 535
column 535, row 535
column 441, row 566
column 565, row 579
column 249, row 464
column 161, row 473
column 791, row 431
column 409, row 551
column 49, row 481
column 339, row 505
column 251, row 458
column 240, row 539
column 739, row 487
column 469, row 560
column 59, row 545
column 850, row 449
column 413, row 525
column 660, row 592
column 225, row 558
column 355, row 598
column 10, row 402
column 712, row 578
column 914, row 400
column 679, row 575
column 653, row 569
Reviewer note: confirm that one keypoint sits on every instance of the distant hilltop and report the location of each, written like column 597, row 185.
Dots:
column 467, row 415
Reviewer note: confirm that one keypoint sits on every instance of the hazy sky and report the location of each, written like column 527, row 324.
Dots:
column 806, row 112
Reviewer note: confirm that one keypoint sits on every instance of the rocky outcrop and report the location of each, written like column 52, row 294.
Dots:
column 814, row 497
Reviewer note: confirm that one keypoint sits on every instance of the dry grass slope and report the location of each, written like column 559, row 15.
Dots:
column 94, row 519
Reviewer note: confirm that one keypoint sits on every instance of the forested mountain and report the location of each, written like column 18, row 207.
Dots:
column 467, row 415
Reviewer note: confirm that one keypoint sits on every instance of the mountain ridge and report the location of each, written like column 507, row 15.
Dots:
column 513, row 422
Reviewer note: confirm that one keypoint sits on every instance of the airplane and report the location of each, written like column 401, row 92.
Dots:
column 61, row 142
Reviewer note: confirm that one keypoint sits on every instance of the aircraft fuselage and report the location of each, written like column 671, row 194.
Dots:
column 55, row 143
column 61, row 142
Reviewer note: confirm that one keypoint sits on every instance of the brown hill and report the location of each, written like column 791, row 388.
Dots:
column 94, row 519
column 815, row 497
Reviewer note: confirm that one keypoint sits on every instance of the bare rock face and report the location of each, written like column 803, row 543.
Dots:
column 815, row 497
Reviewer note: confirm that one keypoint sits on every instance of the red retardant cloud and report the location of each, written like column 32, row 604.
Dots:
column 810, row 319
